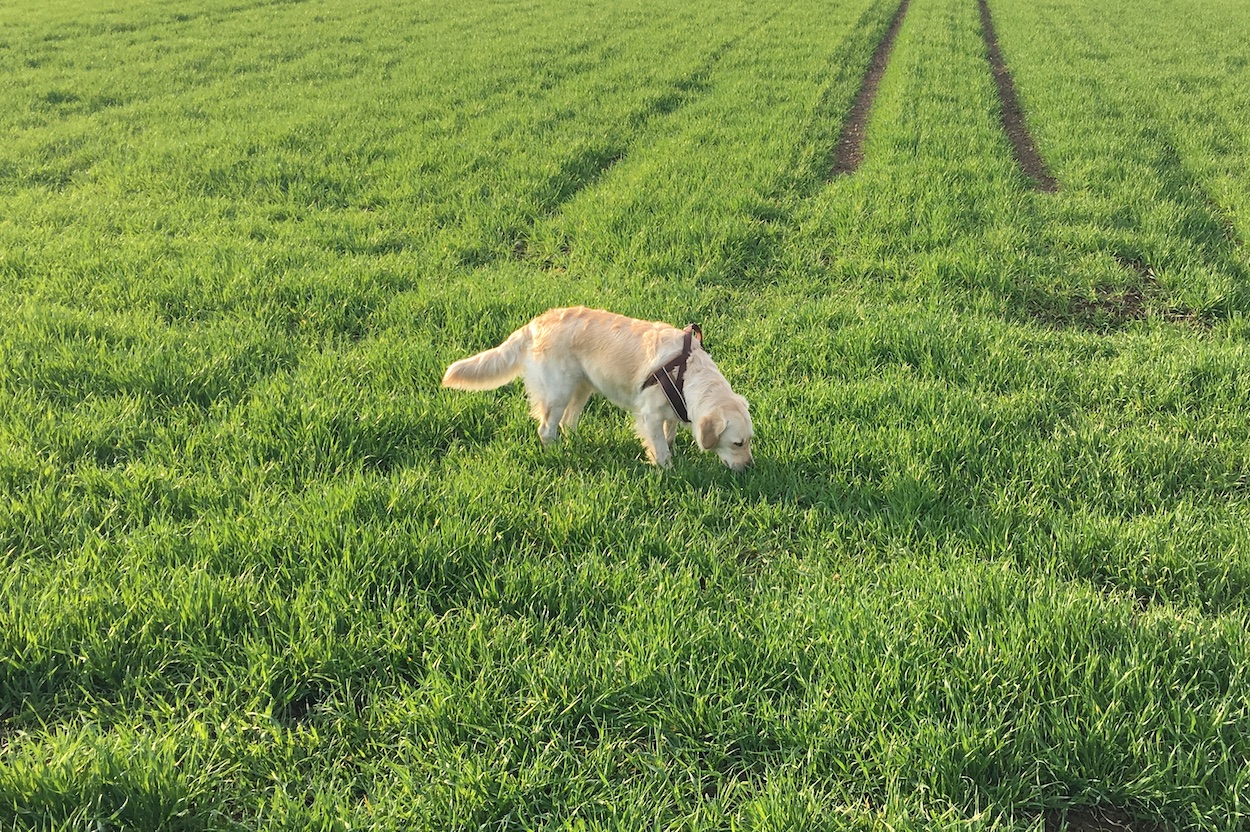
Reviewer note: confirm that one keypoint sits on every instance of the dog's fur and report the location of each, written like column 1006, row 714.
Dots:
column 566, row 354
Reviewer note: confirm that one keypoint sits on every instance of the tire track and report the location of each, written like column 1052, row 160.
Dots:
column 1014, row 124
column 848, row 154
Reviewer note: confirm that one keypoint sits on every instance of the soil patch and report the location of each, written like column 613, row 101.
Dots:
column 1134, row 264
column 1017, row 130
column 1112, row 307
column 849, row 152
column 1096, row 820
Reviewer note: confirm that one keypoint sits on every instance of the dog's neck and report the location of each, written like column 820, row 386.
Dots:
column 700, row 383
column 671, row 377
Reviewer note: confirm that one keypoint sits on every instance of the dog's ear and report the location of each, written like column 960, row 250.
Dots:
column 710, row 428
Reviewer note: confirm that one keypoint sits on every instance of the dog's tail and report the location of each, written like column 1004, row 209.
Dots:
column 493, row 368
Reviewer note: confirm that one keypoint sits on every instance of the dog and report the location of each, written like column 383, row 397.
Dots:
column 565, row 355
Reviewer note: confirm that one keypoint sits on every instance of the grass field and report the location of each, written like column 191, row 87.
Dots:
column 991, row 570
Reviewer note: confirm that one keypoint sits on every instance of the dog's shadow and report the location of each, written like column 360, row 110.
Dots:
column 607, row 443
column 765, row 480
column 907, row 505
column 698, row 471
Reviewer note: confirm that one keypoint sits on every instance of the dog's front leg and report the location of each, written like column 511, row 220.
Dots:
column 670, row 432
column 651, row 431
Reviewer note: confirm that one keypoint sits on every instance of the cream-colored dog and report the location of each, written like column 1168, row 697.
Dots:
column 566, row 354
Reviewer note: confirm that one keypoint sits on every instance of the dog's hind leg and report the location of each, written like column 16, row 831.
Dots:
column 548, row 414
column 573, row 412
column 549, row 399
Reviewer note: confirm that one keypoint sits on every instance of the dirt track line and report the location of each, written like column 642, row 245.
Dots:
column 849, row 152
column 1017, row 130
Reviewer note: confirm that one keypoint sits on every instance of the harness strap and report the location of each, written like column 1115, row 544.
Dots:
column 673, row 387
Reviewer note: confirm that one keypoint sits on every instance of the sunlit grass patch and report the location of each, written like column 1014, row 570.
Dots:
column 261, row 571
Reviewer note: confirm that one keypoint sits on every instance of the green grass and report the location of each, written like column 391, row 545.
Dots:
column 260, row 571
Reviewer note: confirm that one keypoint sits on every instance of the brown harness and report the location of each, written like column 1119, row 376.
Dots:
column 672, row 376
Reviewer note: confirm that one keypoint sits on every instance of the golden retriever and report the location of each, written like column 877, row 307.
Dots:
column 566, row 354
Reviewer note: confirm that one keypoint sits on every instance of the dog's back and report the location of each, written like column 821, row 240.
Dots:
column 614, row 351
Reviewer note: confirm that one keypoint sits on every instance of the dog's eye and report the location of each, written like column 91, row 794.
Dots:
column 737, row 444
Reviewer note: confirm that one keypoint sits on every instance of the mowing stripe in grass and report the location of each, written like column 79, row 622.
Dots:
column 1210, row 138
column 1017, row 130
column 1173, row 159
column 849, row 152
column 1187, row 180
column 1179, row 202
column 753, row 130
column 585, row 170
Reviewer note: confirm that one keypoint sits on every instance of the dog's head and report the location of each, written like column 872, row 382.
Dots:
column 726, row 428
